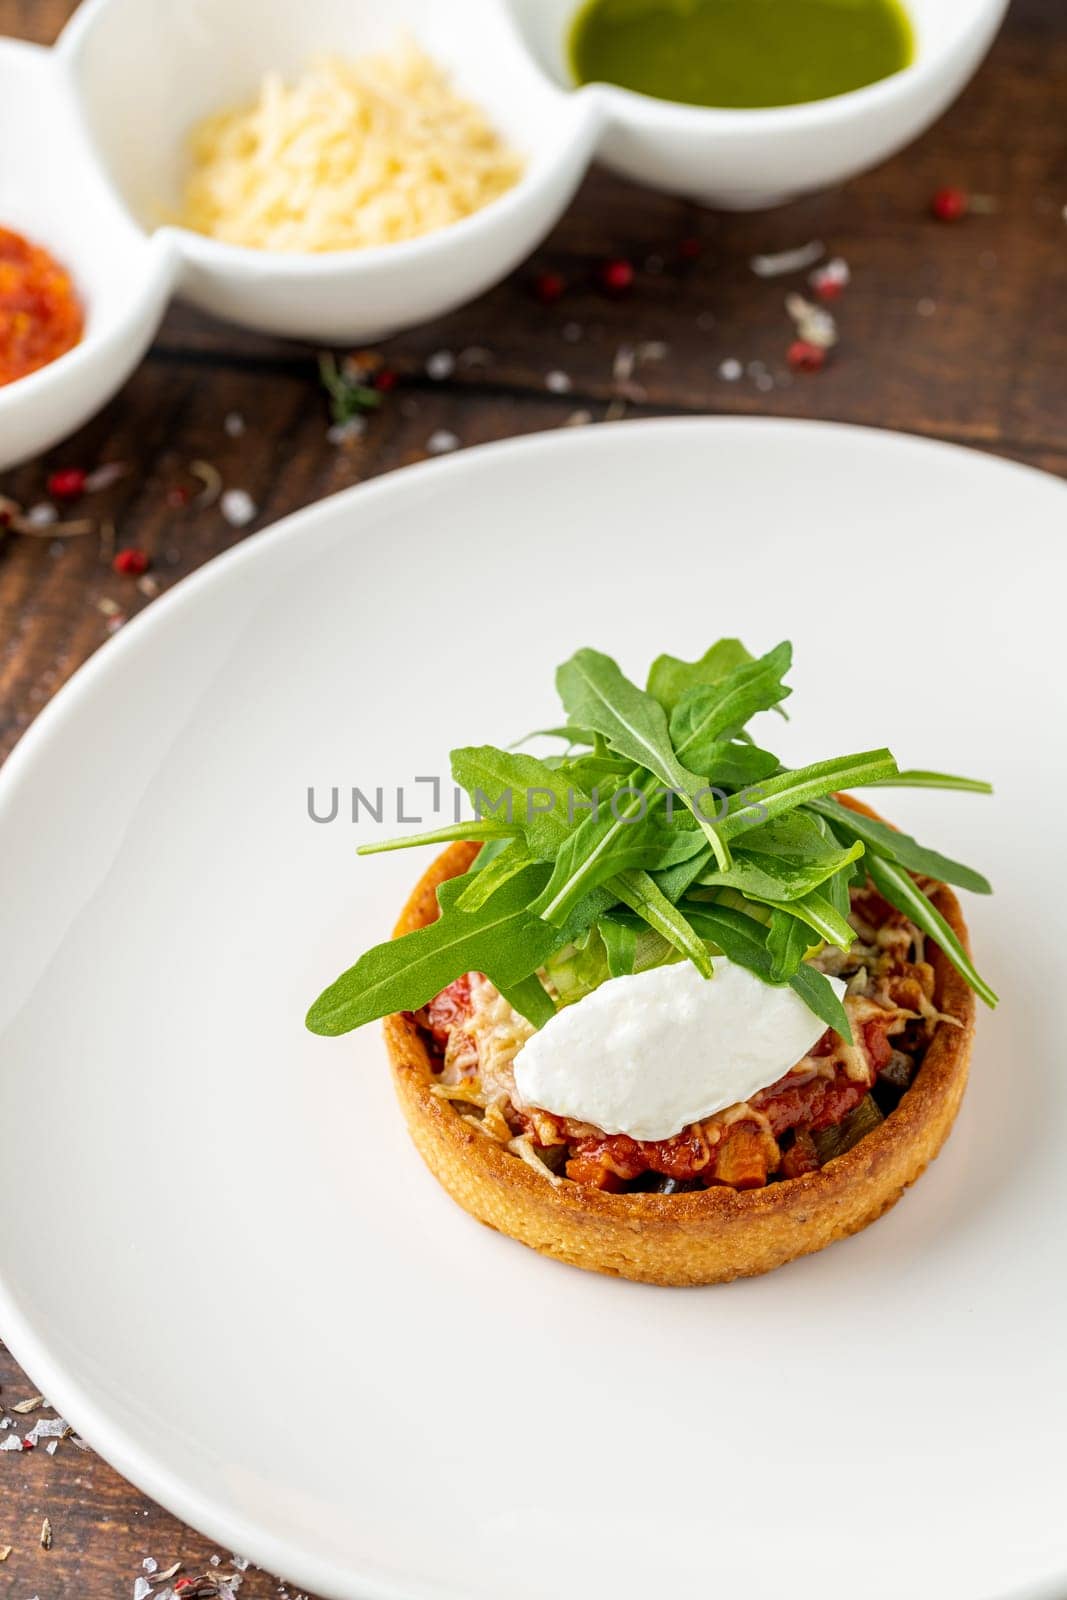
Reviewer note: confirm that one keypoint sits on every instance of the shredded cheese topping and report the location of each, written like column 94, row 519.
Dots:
column 353, row 154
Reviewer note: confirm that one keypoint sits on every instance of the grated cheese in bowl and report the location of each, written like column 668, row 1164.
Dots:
column 355, row 153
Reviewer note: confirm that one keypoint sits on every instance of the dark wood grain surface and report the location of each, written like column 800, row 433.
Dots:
column 957, row 331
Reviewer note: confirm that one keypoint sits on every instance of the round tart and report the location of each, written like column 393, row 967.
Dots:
column 702, row 1236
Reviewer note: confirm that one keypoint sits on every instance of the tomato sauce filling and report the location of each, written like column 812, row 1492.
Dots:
column 781, row 1132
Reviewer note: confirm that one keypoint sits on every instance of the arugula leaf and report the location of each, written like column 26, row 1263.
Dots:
column 707, row 714
column 793, row 788
column 487, row 853
column 455, row 832
column 673, row 882
column 511, row 779
column 819, row 914
column 669, row 678
column 742, row 939
column 603, row 773
column 530, row 999
column 914, row 779
column 349, row 396
column 894, row 884
column 501, row 939
column 774, row 865
column 789, row 941
column 639, row 891
column 819, row 995
column 899, row 847
column 731, row 764
column 481, row 884
column 620, row 942
column 799, row 836
column 572, row 736
column 837, row 888
column 598, row 695
column 614, row 839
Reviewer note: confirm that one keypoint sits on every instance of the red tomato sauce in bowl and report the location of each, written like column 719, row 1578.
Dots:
column 41, row 315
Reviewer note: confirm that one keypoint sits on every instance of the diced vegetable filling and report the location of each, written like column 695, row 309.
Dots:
column 824, row 1105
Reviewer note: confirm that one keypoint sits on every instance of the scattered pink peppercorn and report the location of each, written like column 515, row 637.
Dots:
column 67, row 483
column 803, row 356
column 828, row 288
column 617, row 275
column 549, row 287
column 130, row 563
column 29, row 1444
column 385, row 379
column 949, row 205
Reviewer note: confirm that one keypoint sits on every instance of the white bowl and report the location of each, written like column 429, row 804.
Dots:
column 748, row 160
column 158, row 68
column 53, row 194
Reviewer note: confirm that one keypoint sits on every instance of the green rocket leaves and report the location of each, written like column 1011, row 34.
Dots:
column 663, row 832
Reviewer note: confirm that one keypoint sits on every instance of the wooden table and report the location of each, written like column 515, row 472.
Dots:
column 957, row 331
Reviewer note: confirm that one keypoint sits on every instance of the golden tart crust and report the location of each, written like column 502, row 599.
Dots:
column 698, row 1237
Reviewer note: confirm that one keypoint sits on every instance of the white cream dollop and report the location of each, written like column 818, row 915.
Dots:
column 648, row 1054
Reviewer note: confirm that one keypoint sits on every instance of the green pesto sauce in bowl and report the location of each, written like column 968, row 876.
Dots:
column 740, row 54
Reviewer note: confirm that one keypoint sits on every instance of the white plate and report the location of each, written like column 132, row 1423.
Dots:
column 221, row 1257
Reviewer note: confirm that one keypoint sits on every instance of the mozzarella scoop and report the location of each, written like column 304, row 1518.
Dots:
column 648, row 1054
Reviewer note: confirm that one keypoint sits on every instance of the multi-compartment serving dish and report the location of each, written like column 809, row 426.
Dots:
column 93, row 135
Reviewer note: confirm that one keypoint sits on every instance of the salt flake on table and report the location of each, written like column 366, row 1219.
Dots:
column 345, row 432
column 47, row 1428
column 441, row 364
column 12, row 1442
column 730, row 370
column 238, row 507
column 42, row 515
column 622, row 368
column 557, row 382
column 777, row 265
column 441, row 441
column 150, row 1565
column 141, row 1589
column 234, row 424
column 814, row 324
column 833, row 274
